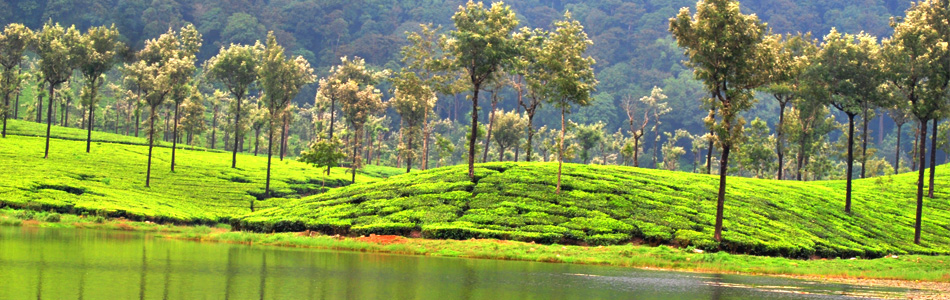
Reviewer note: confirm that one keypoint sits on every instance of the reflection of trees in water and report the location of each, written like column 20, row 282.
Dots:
column 168, row 271
column 352, row 268
column 82, row 272
column 230, row 272
column 144, row 271
column 263, row 273
column 469, row 280
column 717, row 288
column 39, row 276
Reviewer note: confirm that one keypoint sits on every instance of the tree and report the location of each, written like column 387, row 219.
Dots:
column 508, row 129
column 633, row 107
column 412, row 100
column 424, row 56
column 658, row 107
column 671, row 152
column 236, row 68
column 14, row 40
column 100, row 46
column 357, row 106
column 755, row 155
column 916, row 68
column 788, row 60
column 59, row 52
column 281, row 80
column 589, row 136
column 189, row 42
column 482, row 45
column 335, row 86
column 323, row 153
column 193, row 115
column 573, row 73
column 535, row 75
column 157, row 68
column 723, row 47
column 846, row 66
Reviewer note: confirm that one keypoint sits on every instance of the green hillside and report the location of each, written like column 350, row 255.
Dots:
column 110, row 180
column 612, row 205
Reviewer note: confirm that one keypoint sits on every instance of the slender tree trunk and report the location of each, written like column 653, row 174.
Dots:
column 800, row 164
column 847, row 200
column 175, row 135
column 780, row 141
column 257, row 139
column 137, row 123
column 656, row 146
column 527, row 152
column 471, row 140
column 283, row 138
column 214, row 126
column 65, row 112
column 636, row 150
column 501, row 153
column 39, row 105
column 332, row 114
column 49, row 118
column 916, row 150
column 897, row 152
column 270, row 151
column 356, row 148
column 491, row 121
column 16, row 107
column 89, row 131
column 933, row 158
column 721, row 200
column 6, row 113
column 151, row 143
column 560, row 153
column 709, row 156
column 864, row 144
column 237, row 133
column 920, row 180
column 409, row 152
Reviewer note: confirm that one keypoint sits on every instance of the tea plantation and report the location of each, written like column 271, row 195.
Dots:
column 604, row 205
column 110, row 180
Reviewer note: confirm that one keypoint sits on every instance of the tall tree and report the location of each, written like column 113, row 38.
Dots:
column 483, row 45
column 425, row 57
column 573, row 79
column 59, row 50
column 281, row 80
column 158, row 65
column 100, row 46
column 14, row 40
column 789, row 57
column 847, row 67
column 900, row 114
column 412, row 100
column 334, row 87
column 357, row 106
column 723, row 46
column 535, row 75
column 658, row 107
column 189, row 43
column 236, row 68
column 508, row 128
column 913, row 65
column 634, row 107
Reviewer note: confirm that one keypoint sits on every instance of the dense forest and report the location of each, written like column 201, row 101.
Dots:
column 632, row 46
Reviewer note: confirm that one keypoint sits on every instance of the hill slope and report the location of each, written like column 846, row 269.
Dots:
column 110, row 180
column 610, row 205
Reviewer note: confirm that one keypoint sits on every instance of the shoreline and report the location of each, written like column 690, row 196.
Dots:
column 930, row 279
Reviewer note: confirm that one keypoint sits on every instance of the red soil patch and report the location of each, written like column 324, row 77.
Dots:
column 382, row 239
column 30, row 223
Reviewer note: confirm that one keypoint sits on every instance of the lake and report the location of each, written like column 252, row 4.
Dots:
column 46, row 263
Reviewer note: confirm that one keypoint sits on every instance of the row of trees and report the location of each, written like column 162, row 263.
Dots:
column 735, row 54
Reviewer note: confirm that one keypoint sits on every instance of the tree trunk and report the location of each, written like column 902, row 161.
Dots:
column 16, row 107
column 501, row 153
column 933, row 158
column 257, row 139
column 527, row 152
column 237, row 133
column 847, row 200
column 379, row 147
column 175, row 135
column 636, row 150
column 65, row 112
column 49, row 118
column 6, row 113
column 39, row 105
column 89, row 131
column 780, row 141
column 471, row 140
column 897, row 152
column 151, row 138
column 560, row 154
column 709, row 156
column 656, row 146
column 214, row 126
column 270, row 151
column 356, row 143
column 916, row 150
column 864, row 145
column 332, row 114
column 491, row 121
column 721, row 200
column 425, row 141
column 920, row 180
column 283, row 138
column 409, row 152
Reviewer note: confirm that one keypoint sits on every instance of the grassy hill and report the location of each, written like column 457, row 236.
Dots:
column 611, row 205
column 110, row 180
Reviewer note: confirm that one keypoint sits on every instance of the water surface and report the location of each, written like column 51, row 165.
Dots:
column 42, row 263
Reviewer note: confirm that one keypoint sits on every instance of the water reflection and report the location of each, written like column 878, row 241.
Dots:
column 84, row 264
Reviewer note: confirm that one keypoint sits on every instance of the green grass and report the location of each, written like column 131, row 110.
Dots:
column 110, row 181
column 607, row 205
column 24, row 128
